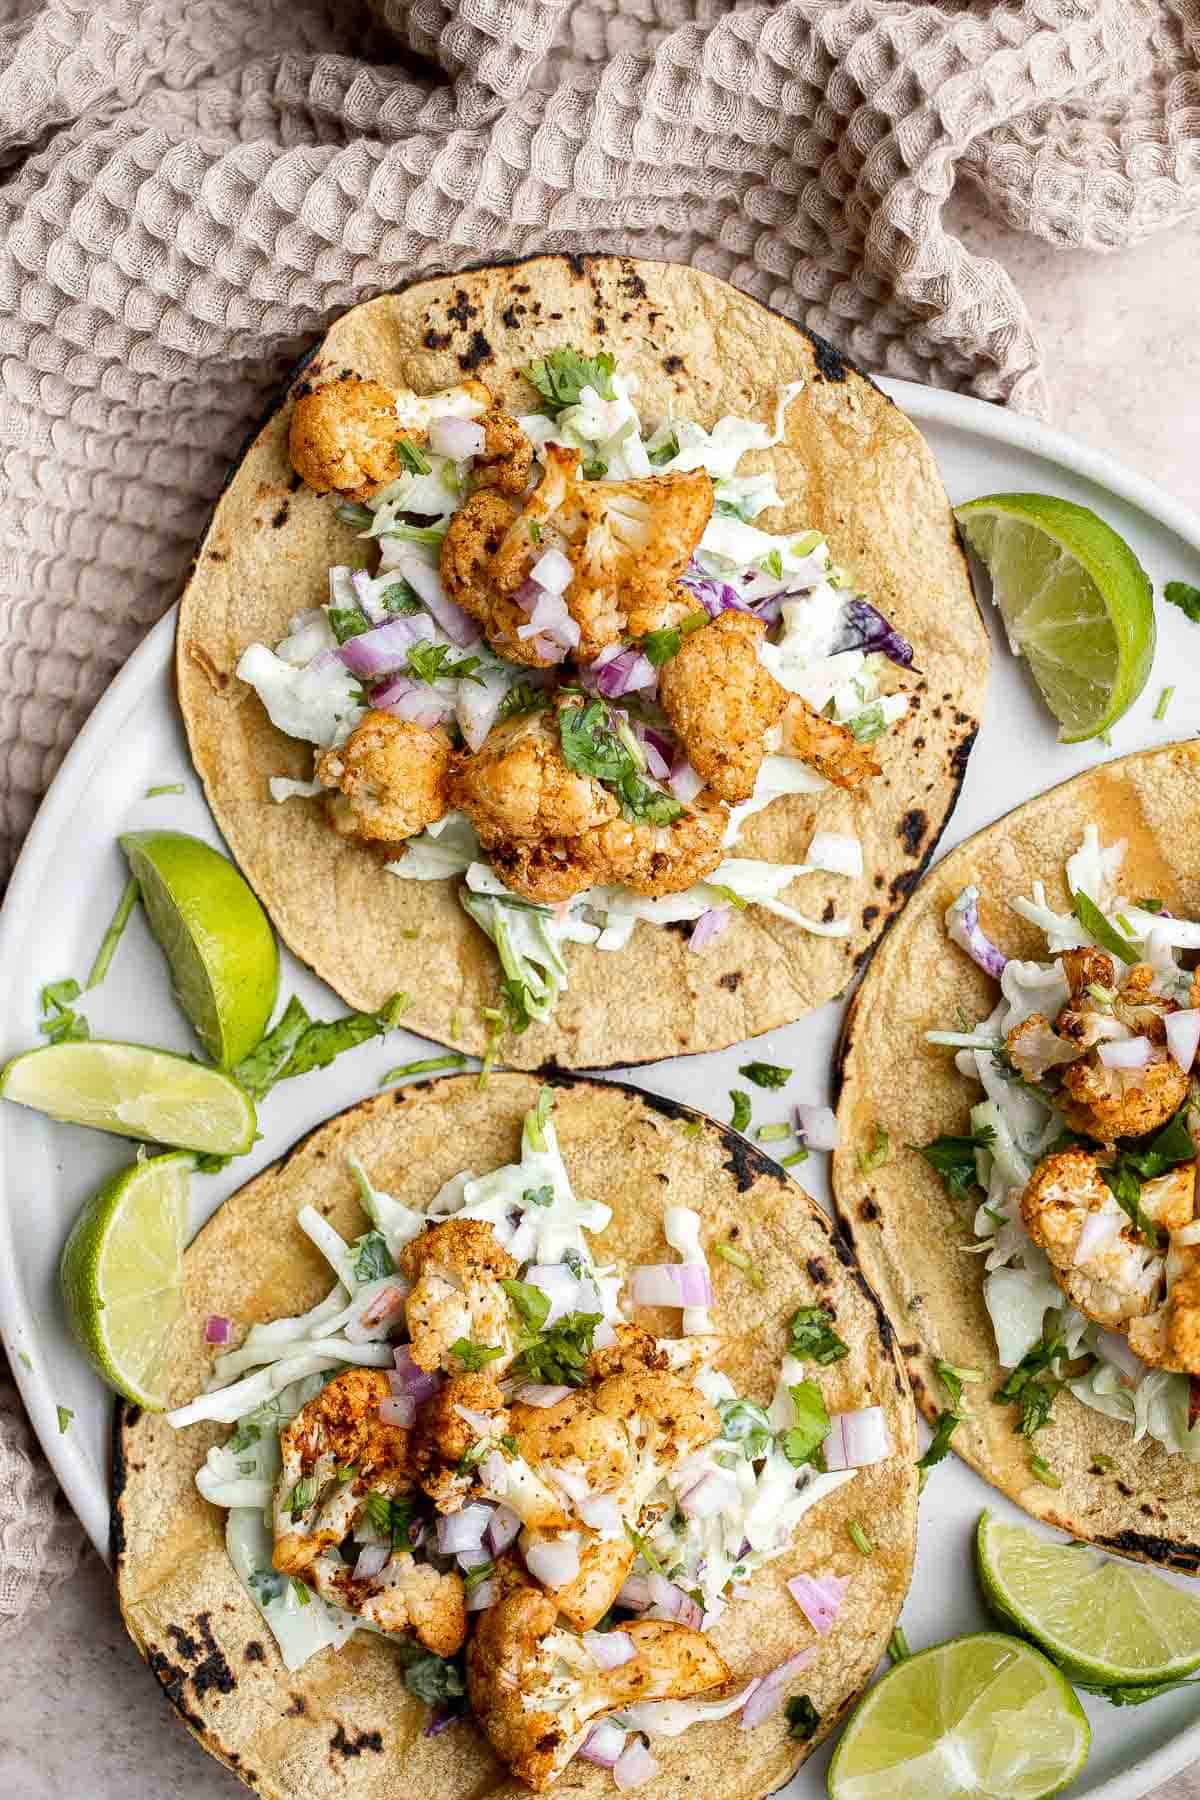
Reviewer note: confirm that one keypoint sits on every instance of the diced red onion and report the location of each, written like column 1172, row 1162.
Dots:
column 426, row 583
column 536, row 1393
column 477, row 708
column 1183, row 1036
column 463, row 1530
column 411, row 1379
column 634, row 1593
column 1130, row 1053
column 558, row 1284
column 454, row 437
column 709, row 925
column 1115, row 1349
column 555, row 1563
column 819, row 1598
column 504, row 1527
column 839, row 852
column 549, row 649
column 414, row 701
column 715, row 1492
column 372, row 1560
column 634, row 1767
column 625, row 673
column 1099, row 1230
column 474, row 1559
column 552, row 571
column 610, row 1648
column 857, row 1439
column 673, row 1603
column 481, row 1423
column 767, row 1698
column 493, row 1472
column 600, row 1512
column 483, row 1595
column 684, row 782
column 441, row 1721
column 401, row 1410
column 364, row 591
column 217, row 1330
column 551, row 619
column 656, row 763
column 603, row 1745
column 963, row 928
column 818, row 1127
column 670, row 1284
column 384, row 647
column 604, row 1336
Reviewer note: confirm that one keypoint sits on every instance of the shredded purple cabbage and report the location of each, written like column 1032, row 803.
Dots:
column 441, row 1721
column 963, row 928
column 714, row 596
column 863, row 627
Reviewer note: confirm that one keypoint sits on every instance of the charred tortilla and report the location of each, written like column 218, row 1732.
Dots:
column 851, row 466
column 912, row 1237
column 344, row 1722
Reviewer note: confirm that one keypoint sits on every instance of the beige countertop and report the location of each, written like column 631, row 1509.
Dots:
column 79, row 1715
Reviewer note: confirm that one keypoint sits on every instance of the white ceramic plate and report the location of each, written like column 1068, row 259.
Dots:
column 70, row 876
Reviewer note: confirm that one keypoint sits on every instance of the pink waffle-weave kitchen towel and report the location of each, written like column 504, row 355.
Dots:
column 190, row 189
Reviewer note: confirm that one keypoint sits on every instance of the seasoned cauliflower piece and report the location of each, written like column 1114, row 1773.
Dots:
column 831, row 749
column 518, row 787
column 343, row 436
column 658, row 859
column 442, row 1437
column 392, row 779
column 469, row 548
column 507, row 454
column 456, row 1270
column 1170, row 1199
column 633, row 1349
column 1170, row 1337
column 315, row 1505
column 405, row 1596
column 536, row 1690
column 1034, row 1047
column 1115, row 1103
column 547, row 872
column 1117, row 1278
column 722, row 702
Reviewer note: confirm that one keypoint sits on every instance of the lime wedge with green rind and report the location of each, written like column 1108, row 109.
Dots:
column 1075, row 600
column 136, row 1092
column 121, row 1272
column 215, row 935
column 985, row 1717
column 1105, row 1623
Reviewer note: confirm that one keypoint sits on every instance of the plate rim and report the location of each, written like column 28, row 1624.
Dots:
column 926, row 406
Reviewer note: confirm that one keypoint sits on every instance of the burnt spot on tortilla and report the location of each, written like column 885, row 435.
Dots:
column 254, row 1651
column 831, row 365
column 633, row 284
column 600, row 325
column 170, row 1676
column 960, row 753
column 212, row 1671
column 818, row 1272
column 731, row 981
column 461, row 311
column 681, row 927
column 298, row 1707
column 216, row 556
column 868, row 1211
column 1168, row 1553
column 280, row 517
column 436, row 340
column 577, row 263
column 354, row 1746
column 869, row 916
column 911, row 830
column 673, row 364
column 479, row 351
column 1124, row 1488
column 511, row 316
column 829, row 912
column 746, row 1164
column 904, row 884
column 185, row 1645
column 918, row 743
column 663, row 1178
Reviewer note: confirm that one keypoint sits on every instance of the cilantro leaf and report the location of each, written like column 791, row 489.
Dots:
column 813, row 1338
column 660, row 646
column 539, row 1196
column 347, row 622
column 297, row 1043
column 401, row 598
column 954, row 1159
column 561, row 377
column 1033, row 1384
column 878, row 1154
column 945, row 1425
column 435, row 1679
column 741, row 1109
column 1094, row 922
column 523, row 698
column 1122, row 1181
column 1173, row 1144
column 429, row 662
column 590, row 746
column 802, row 1717
column 530, row 1303
column 556, row 1356
column 595, row 469
column 475, row 1356
column 766, row 1075
column 1186, row 597
column 801, row 1443
column 665, row 452
column 392, row 1518
column 745, row 1422
column 60, row 1022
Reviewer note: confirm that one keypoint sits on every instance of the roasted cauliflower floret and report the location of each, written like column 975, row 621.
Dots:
column 536, row 1691
column 1115, row 1103
column 722, row 702
column 1118, row 1277
column 442, row 1436
column 547, row 872
column 392, row 779
column 1034, row 1048
column 469, row 548
column 405, row 1596
column 633, row 1348
column 518, row 788
column 658, row 859
column 507, row 454
column 456, row 1270
column 343, row 436
column 1170, row 1337
column 315, row 1505
column 831, row 749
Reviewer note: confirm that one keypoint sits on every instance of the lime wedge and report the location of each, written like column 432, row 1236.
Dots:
column 121, row 1270
column 1075, row 600
column 135, row 1092
column 215, row 936
column 1105, row 1623
column 984, row 1717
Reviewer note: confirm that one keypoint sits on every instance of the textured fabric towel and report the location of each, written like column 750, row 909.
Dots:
column 189, row 189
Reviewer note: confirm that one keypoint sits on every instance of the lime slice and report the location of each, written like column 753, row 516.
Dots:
column 120, row 1273
column 1105, row 1623
column 985, row 1716
column 1076, row 602
column 215, row 935
column 136, row 1092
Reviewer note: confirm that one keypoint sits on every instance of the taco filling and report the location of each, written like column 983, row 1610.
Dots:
column 1085, row 1151
column 472, row 1448
column 579, row 665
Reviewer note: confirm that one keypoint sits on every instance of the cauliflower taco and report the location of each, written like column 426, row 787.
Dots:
column 562, row 603
column 1025, row 1200
column 490, row 1471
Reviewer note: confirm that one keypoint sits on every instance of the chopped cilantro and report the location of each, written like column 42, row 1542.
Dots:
column 371, row 1257
column 561, row 377
column 523, row 698
column 660, row 646
column 945, row 1425
column 297, row 1043
column 435, row 1680
column 772, row 564
column 65, row 1415
column 741, row 1108
column 954, row 1159
column 859, row 1539
column 878, row 1154
column 474, row 1356
column 868, row 724
column 430, row 662
column 556, row 1356
column 1033, row 1384
column 766, row 1075
column 813, row 1338
column 1103, row 1462
column 1095, row 923
column 953, row 1380
column 392, row 1518
column 300, row 1589
column 802, row 1718
column 401, row 598
column 540, row 1196
column 1186, row 597
column 164, row 787
column 745, row 1422
column 530, row 1303
column 731, row 1254
column 644, row 1550
column 665, row 452
column 801, row 1442
column 413, row 459
column 474, row 1578
column 426, row 1065
column 595, row 469
column 347, row 622
column 60, row 1022
column 112, row 937
column 797, row 1156
column 590, row 746
column 302, row 1496
column 1150, row 903
column 1122, row 1180
column 1041, row 1471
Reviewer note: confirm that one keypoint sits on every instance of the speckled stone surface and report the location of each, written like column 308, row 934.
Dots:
column 80, row 1717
